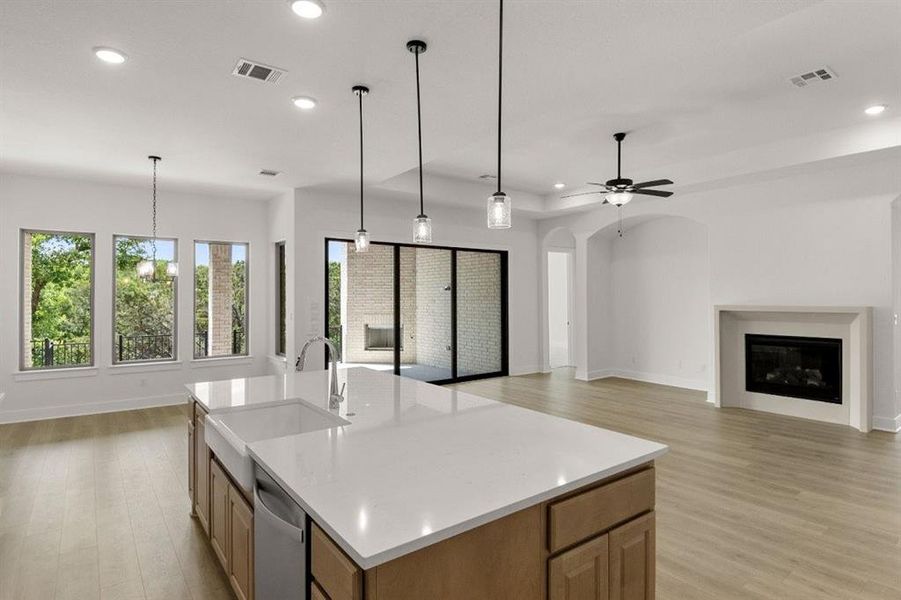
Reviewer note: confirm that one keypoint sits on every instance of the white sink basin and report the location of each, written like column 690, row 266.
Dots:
column 228, row 432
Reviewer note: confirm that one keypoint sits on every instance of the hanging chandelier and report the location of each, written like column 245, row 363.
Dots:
column 361, row 240
column 499, row 203
column 147, row 268
column 422, row 225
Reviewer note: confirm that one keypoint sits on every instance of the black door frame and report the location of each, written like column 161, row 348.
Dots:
column 455, row 378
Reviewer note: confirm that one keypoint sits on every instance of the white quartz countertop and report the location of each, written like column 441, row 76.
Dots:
column 420, row 463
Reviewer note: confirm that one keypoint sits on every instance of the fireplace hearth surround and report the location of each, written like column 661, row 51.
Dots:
column 850, row 324
column 794, row 366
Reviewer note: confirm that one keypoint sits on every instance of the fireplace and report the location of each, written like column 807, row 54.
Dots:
column 798, row 367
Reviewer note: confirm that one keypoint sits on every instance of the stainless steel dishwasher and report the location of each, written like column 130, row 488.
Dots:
column 281, row 559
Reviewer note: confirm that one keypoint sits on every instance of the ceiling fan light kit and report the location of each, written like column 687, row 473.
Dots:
column 621, row 190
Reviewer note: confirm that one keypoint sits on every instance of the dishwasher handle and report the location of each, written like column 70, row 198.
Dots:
column 270, row 512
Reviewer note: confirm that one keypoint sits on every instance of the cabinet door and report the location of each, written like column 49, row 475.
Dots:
column 201, row 474
column 240, row 545
column 191, row 462
column 580, row 573
column 316, row 592
column 632, row 560
column 219, row 512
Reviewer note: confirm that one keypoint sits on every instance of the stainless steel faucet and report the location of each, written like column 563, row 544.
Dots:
column 335, row 396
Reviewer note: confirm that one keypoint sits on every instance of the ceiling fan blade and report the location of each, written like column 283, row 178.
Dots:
column 654, row 183
column 659, row 193
column 593, row 183
column 580, row 194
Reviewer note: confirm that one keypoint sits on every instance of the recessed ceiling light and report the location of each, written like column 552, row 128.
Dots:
column 304, row 102
column 876, row 109
column 109, row 55
column 559, row 185
column 308, row 9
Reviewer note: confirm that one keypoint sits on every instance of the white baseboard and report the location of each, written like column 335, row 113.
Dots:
column 887, row 424
column 75, row 410
column 670, row 380
column 601, row 374
column 524, row 370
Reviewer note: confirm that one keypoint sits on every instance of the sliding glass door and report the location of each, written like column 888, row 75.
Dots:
column 435, row 314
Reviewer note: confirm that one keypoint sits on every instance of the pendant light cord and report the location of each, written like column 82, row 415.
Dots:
column 500, row 74
column 360, row 95
column 419, row 124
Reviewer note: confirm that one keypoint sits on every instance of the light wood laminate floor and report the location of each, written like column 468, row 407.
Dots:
column 749, row 505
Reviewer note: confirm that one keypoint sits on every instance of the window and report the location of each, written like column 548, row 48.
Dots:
column 144, row 308
column 281, row 302
column 220, row 299
column 57, row 300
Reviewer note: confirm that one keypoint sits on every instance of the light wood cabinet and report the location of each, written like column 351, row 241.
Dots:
column 596, row 510
column 191, row 460
column 219, row 512
column 220, row 507
column 580, row 573
column 201, row 471
column 240, row 544
column 334, row 572
column 632, row 560
column 316, row 592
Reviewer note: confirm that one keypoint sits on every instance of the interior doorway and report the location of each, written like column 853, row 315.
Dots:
column 559, row 308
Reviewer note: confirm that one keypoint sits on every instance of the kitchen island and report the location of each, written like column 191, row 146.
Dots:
column 419, row 491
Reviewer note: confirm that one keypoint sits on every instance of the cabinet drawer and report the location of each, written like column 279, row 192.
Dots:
column 597, row 510
column 337, row 575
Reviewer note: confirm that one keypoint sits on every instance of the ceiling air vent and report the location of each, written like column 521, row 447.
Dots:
column 269, row 172
column 805, row 79
column 258, row 71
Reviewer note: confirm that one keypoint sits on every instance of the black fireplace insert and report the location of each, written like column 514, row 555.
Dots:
column 798, row 367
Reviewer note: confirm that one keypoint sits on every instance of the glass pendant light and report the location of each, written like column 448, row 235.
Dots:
column 147, row 268
column 422, row 225
column 499, row 216
column 361, row 239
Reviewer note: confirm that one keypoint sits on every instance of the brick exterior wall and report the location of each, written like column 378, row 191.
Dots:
column 370, row 301
column 220, row 310
column 433, row 307
column 478, row 313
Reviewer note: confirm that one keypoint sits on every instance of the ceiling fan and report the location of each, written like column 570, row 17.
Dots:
column 619, row 191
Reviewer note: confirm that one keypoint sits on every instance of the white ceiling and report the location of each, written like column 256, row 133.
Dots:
column 701, row 86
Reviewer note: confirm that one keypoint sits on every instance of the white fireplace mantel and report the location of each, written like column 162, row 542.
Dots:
column 853, row 324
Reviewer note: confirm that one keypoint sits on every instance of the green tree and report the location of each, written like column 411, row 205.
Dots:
column 334, row 302
column 60, row 287
column 143, row 307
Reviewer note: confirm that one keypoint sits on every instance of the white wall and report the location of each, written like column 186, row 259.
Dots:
column 818, row 237
column 280, row 228
column 75, row 205
column 896, row 313
column 661, row 302
column 319, row 215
